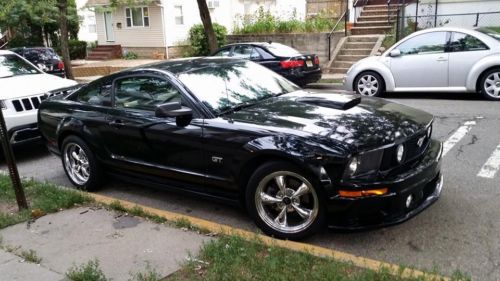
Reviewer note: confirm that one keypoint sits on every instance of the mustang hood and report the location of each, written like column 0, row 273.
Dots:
column 365, row 123
column 29, row 85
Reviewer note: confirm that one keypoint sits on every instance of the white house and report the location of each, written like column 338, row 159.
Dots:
column 87, row 31
column 161, row 26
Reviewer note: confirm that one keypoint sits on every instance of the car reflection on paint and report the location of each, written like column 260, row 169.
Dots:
column 233, row 130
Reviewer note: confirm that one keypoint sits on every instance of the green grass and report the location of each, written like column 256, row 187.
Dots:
column 43, row 198
column 30, row 256
column 86, row 272
column 494, row 28
column 149, row 274
column 232, row 258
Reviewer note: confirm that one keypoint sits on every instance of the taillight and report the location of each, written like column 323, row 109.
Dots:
column 316, row 60
column 60, row 65
column 292, row 63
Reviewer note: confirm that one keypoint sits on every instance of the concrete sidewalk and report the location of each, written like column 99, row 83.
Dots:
column 123, row 245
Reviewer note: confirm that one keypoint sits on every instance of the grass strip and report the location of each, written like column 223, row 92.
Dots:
column 43, row 198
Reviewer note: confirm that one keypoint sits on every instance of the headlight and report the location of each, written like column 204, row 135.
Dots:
column 353, row 166
column 429, row 132
column 400, row 152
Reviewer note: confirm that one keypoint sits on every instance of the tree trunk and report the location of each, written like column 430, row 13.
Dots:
column 63, row 27
column 207, row 25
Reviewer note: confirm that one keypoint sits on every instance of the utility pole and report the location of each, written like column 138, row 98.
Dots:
column 11, row 163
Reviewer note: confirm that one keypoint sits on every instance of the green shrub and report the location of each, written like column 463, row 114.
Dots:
column 77, row 49
column 199, row 41
column 264, row 22
column 130, row 56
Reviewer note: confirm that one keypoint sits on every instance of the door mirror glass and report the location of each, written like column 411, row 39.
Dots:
column 395, row 53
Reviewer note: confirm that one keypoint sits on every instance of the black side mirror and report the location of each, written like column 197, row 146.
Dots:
column 182, row 114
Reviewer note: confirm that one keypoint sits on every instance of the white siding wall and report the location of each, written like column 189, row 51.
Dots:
column 151, row 36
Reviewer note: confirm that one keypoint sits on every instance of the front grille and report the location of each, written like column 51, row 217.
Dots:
column 412, row 151
column 32, row 103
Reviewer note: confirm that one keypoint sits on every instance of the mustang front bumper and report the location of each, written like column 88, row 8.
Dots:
column 409, row 194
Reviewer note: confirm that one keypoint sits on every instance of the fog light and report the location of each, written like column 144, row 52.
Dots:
column 409, row 200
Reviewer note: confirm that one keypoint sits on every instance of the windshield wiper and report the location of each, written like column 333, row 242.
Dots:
column 237, row 107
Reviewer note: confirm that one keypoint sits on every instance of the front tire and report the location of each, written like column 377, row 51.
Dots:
column 369, row 83
column 80, row 164
column 490, row 84
column 284, row 201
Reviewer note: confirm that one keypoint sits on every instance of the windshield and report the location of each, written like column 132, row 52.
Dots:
column 13, row 65
column 225, row 86
column 490, row 32
column 281, row 50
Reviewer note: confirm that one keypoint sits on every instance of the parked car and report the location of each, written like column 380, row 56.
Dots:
column 23, row 88
column 301, row 69
column 444, row 59
column 44, row 58
column 233, row 130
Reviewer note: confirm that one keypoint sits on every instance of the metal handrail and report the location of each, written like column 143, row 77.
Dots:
column 343, row 16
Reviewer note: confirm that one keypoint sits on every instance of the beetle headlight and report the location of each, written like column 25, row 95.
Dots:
column 400, row 152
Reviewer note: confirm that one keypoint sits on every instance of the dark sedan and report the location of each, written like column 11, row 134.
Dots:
column 302, row 69
column 233, row 130
column 44, row 58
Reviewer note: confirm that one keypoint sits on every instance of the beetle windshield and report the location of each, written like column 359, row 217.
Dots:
column 223, row 87
column 495, row 33
column 13, row 65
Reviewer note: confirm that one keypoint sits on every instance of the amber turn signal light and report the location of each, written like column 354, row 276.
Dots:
column 363, row 193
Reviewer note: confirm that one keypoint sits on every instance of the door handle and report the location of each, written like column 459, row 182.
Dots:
column 442, row 59
column 116, row 123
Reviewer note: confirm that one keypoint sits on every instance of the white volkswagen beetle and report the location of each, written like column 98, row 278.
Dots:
column 443, row 59
column 22, row 88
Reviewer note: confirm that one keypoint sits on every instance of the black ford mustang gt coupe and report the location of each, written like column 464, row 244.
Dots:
column 234, row 130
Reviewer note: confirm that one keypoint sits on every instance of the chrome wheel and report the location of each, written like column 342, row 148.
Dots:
column 286, row 202
column 492, row 85
column 368, row 85
column 76, row 163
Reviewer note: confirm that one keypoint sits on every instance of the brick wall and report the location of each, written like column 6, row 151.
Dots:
column 307, row 43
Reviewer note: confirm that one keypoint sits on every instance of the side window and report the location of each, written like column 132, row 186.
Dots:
column 245, row 52
column 96, row 94
column 264, row 54
column 462, row 42
column 223, row 53
column 144, row 92
column 429, row 43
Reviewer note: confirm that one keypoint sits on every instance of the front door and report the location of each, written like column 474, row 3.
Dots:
column 423, row 62
column 108, row 23
column 140, row 141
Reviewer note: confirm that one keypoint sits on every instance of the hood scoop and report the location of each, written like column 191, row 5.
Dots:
column 335, row 101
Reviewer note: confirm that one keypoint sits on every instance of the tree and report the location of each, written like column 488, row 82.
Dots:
column 207, row 25
column 63, row 26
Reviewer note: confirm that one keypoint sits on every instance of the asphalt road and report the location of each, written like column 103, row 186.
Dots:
column 459, row 232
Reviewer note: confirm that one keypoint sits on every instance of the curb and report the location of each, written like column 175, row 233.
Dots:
column 358, row 261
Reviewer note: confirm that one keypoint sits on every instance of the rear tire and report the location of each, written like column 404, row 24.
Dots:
column 80, row 164
column 285, row 202
column 369, row 83
column 490, row 84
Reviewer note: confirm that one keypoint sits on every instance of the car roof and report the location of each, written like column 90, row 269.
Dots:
column 455, row 29
column 178, row 66
column 261, row 44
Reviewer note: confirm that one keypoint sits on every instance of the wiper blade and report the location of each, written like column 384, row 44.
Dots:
column 236, row 108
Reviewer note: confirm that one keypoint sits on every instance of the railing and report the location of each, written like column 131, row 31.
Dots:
column 412, row 23
column 345, row 17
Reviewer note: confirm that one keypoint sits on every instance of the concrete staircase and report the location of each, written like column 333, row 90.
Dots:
column 352, row 49
column 375, row 19
column 105, row 52
column 366, row 37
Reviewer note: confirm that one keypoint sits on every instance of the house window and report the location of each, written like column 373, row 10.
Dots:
column 212, row 4
column 138, row 16
column 179, row 17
